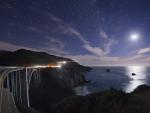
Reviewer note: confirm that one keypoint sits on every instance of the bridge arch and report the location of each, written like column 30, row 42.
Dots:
column 17, row 81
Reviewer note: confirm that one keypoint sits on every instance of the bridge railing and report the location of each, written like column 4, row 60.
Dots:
column 16, row 81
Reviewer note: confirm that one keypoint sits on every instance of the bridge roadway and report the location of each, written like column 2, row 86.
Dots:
column 7, row 103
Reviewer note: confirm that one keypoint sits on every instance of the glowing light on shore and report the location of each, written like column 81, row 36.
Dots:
column 39, row 66
column 62, row 62
column 51, row 65
column 56, row 66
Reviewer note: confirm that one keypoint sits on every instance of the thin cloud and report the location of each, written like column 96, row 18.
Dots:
column 95, row 50
column 55, row 43
column 69, row 30
column 103, row 35
column 55, row 50
column 12, row 47
column 93, row 60
column 54, row 46
column 65, row 28
column 62, row 27
column 108, row 42
column 144, row 50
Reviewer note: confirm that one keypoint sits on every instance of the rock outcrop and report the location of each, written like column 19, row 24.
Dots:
column 111, row 101
column 56, row 84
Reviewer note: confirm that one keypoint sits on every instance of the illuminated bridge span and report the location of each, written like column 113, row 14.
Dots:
column 14, row 85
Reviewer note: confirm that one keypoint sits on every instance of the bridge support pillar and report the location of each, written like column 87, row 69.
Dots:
column 24, row 88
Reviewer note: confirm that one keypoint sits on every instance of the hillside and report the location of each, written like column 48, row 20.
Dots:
column 25, row 57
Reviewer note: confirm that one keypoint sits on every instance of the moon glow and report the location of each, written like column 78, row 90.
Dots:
column 134, row 37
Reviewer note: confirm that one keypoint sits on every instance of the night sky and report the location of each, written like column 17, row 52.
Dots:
column 92, row 32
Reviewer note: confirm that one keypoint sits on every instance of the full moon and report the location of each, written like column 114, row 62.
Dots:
column 134, row 37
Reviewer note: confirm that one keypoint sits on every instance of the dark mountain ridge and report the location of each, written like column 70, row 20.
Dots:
column 23, row 57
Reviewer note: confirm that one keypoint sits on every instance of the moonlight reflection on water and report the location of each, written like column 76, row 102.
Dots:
column 136, row 80
column 121, row 78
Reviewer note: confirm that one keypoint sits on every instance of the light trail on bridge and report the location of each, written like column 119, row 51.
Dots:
column 7, row 96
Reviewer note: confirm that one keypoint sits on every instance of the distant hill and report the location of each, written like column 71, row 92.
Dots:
column 25, row 57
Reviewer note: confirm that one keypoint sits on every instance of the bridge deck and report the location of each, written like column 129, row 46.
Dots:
column 8, row 104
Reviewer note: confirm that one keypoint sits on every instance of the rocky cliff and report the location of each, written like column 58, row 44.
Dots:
column 55, row 85
column 111, row 101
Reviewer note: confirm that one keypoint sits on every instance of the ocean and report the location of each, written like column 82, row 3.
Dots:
column 121, row 78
